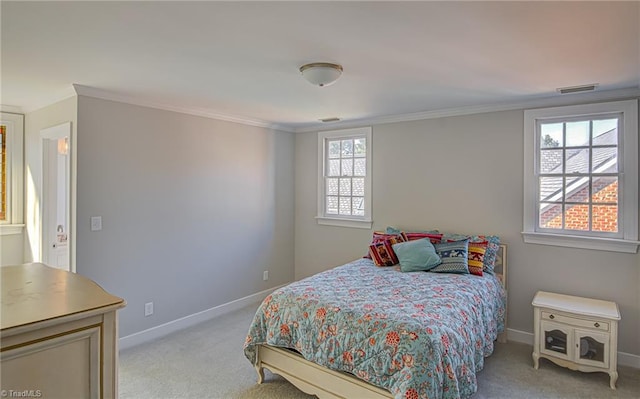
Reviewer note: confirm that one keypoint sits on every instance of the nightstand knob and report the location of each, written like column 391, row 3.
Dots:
column 596, row 324
column 552, row 317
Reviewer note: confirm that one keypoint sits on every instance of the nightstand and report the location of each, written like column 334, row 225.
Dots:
column 577, row 333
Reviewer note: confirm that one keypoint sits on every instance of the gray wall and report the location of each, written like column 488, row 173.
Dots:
column 193, row 209
column 463, row 174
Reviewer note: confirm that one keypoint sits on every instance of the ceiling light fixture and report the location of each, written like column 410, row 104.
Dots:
column 321, row 73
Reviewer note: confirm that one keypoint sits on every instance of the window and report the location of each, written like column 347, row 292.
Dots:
column 581, row 176
column 344, row 178
column 11, row 173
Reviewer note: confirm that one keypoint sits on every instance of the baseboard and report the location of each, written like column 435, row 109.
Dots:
column 624, row 359
column 191, row 320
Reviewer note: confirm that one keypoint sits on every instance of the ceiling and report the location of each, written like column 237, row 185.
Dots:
column 239, row 60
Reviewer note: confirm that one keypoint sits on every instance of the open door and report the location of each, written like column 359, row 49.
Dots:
column 56, row 193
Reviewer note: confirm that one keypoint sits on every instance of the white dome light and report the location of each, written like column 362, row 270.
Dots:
column 321, row 73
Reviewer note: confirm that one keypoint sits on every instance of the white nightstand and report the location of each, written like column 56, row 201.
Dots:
column 577, row 333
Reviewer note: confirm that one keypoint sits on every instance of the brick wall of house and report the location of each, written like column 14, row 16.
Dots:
column 577, row 217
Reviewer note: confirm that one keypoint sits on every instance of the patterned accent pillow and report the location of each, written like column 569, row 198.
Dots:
column 381, row 237
column 493, row 246
column 475, row 258
column 433, row 237
column 454, row 257
column 394, row 230
column 383, row 254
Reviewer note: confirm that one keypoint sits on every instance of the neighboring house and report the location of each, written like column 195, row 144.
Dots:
column 605, row 188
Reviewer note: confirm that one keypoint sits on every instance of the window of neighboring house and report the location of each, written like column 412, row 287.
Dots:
column 344, row 178
column 581, row 176
column 11, row 173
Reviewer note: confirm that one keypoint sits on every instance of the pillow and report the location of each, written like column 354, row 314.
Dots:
column 393, row 230
column 381, row 237
column 493, row 245
column 433, row 237
column 475, row 257
column 382, row 252
column 454, row 257
column 416, row 255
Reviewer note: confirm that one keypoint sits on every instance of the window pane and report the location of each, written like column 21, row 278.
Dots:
column 334, row 167
column 577, row 161
column 551, row 135
column 347, row 148
column 358, row 187
column 605, row 218
column 605, row 189
column 551, row 189
column 334, row 149
column 577, row 189
column 360, row 167
column 358, row 206
column 347, row 167
column 605, row 160
column 332, row 205
column 551, row 161
column 605, row 132
column 345, row 206
column 550, row 216
column 345, row 186
column 577, row 133
column 576, row 217
column 332, row 186
column 360, row 147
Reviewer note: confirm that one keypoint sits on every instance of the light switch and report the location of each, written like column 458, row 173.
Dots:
column 96, row 223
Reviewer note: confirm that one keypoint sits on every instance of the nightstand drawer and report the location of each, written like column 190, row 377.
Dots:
column 595, row 324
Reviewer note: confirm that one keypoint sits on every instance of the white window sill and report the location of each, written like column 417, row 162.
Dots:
column 596, row 243
column 343, row 222
column 9, row 229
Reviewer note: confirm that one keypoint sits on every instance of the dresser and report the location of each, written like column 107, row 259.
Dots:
column 58, row 335
column 577, row 333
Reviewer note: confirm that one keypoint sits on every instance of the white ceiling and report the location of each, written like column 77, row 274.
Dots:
column 240, row 60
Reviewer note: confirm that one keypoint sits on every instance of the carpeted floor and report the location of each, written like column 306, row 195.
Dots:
column 206, row 361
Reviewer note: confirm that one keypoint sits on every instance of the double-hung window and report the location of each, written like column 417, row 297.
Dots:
column 581, row 176
column 344, row 178
column 11, row 173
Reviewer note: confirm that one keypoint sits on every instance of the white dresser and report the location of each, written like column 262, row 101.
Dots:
column 577, row 333
column 58, row 336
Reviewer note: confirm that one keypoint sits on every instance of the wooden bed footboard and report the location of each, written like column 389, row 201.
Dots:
column 312, row 378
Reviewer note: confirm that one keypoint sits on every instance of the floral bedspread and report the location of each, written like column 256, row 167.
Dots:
column 418, row 335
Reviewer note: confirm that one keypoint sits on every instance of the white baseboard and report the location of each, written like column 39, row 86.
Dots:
column 624, row 359
column 191, row 320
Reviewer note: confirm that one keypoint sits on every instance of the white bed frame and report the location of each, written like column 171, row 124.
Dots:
column 329, row 384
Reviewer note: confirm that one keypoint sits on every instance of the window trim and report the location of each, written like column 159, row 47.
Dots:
column 628, row 199
column 14, row 173
column 364, row 222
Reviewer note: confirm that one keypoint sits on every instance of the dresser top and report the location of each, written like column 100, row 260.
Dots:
column 35, row 292
column 577, row 305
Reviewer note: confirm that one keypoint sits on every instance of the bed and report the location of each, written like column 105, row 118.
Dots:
column 361, row 331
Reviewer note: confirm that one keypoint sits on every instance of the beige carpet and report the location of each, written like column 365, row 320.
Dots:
column 206, row 361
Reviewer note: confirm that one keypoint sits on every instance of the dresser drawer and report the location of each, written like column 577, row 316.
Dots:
column 560, row 318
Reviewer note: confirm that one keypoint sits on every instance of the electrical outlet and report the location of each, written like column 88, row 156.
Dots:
column 265, row 275
column 148, row 309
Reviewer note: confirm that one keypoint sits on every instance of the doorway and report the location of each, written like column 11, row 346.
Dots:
column 56, row 194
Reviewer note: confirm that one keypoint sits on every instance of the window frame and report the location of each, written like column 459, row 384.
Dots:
column 14, row 154
column 627, row 239
column 365, row 221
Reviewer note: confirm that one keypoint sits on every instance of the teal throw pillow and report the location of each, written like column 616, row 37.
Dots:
column 417, row 255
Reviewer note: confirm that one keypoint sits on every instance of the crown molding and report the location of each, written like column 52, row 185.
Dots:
column 540, row 102
column 45, row 101
column 11, row 109
column 88, row 91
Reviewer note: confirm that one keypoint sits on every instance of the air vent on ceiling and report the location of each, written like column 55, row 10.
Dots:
column 325, row 120
column 577, row 89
